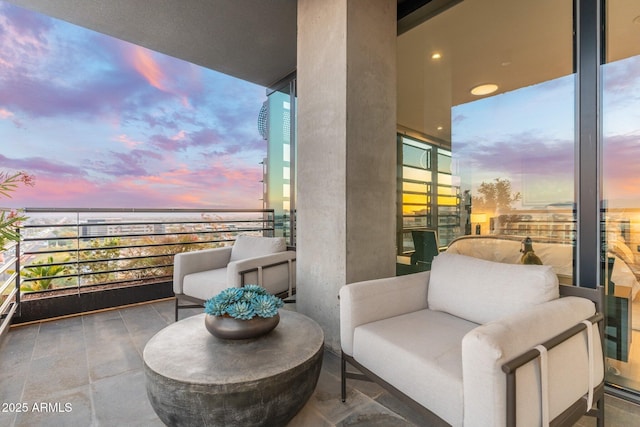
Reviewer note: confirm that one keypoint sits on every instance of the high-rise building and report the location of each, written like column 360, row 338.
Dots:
column 275, row 123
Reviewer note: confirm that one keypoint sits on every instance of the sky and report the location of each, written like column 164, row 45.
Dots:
column 525, row 136
column 528, row 137
column 103, row 123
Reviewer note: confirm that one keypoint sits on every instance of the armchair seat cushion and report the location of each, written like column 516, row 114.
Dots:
column 204, row 284
column 429, row 368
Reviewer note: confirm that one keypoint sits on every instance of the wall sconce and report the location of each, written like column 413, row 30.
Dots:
column 478, row 219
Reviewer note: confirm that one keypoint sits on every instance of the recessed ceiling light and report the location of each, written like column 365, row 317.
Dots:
column 436, row 56
column 439, row 128
column 484, row 89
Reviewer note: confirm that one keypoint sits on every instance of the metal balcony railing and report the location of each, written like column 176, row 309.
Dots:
column 9, row 286
column 72, row 249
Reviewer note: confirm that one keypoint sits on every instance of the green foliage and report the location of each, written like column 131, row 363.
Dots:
column 9, row 221
column 243, row 303
column 44, row 275
column 495, row 196
column 9, row 183
column 155, row 259
column 103, row 257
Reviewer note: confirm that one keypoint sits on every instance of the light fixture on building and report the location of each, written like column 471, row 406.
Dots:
column 436, row 55
column 439, row 128
column 478, row 219
column 484, row 89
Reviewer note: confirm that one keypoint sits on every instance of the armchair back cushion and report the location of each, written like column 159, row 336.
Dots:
column 252, row 246
column 482, row 291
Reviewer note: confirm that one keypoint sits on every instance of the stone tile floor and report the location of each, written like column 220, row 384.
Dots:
column 87, row 371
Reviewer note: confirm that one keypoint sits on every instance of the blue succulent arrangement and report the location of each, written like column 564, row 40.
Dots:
column 243, row 303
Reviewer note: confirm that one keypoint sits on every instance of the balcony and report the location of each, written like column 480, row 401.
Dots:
column 87, row 369
column 73, row 261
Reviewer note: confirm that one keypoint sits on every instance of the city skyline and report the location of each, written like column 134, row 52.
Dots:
column 100, row 122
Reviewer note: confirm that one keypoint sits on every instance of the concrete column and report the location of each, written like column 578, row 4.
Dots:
column 346, row 167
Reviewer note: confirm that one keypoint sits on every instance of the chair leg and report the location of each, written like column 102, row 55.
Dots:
column 600, row 412
column 176, row 309
column 343, row 376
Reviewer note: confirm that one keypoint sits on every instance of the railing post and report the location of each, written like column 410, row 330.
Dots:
column 17, row 249
column 78, row 277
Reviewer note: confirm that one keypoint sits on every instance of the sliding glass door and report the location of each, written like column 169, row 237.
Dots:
column 621, row 189
column 498, row 100
column 537, row 109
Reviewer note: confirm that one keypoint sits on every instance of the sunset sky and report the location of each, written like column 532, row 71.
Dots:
column 528, row 137
column 104, row 123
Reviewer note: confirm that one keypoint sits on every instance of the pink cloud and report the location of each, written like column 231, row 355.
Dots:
column 143, row 61
column 141, row 148
column 621, row 179
column 52, row 192
column 127, row 141
column 5, row 114
column 179, row 136
column 8, row 115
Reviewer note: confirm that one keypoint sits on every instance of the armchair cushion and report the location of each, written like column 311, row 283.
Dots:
column 187, row 263
column 205, row 284
column 420, row 354
column 482, row 291
column 251, row 246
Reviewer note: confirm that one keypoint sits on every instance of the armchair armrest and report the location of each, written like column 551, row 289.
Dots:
column 275, row 272
column 372, row 300
column 486, row 348
column 194, row 262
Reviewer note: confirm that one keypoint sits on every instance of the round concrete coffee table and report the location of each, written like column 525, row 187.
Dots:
column 196, row 379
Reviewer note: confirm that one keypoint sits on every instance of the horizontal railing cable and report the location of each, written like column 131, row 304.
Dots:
column 65, row 248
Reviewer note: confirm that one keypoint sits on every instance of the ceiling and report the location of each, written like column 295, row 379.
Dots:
column 512, row 44
column 254, row 40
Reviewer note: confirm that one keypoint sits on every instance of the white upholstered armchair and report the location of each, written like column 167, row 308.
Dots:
column 452, row 341
column 265, row 261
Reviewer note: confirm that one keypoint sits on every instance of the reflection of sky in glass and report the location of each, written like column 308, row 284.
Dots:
column 621, row 130
column 525, row 136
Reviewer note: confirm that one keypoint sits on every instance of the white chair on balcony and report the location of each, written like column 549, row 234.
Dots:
column 265, row 261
